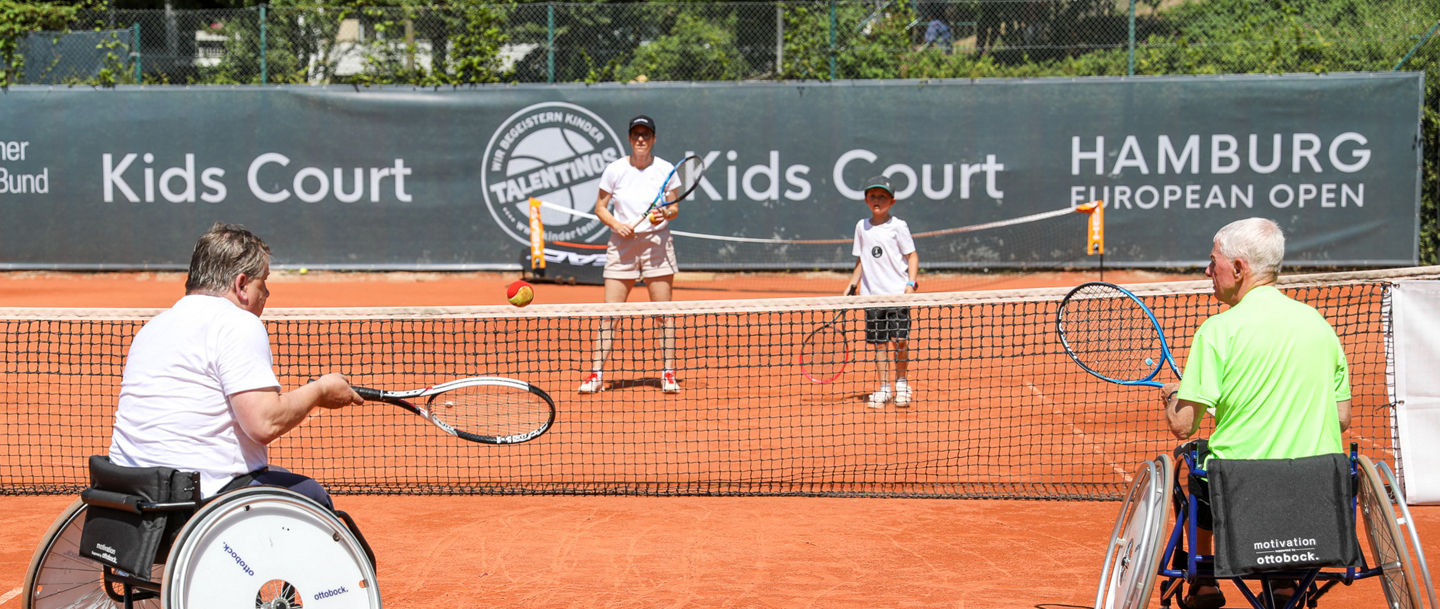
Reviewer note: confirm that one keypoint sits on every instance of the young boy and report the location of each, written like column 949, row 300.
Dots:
column 886, row 263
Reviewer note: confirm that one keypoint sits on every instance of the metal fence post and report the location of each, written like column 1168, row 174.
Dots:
column 135, row 52
column 779, row 40
column 832, row 39
column 1132, row 39
column 264, row 77
column 1423, row 40
column 550, row 43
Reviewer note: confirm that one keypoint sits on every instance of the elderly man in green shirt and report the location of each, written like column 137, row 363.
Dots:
column 1271, row 367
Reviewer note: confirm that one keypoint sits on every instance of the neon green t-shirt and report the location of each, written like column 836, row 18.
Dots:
column 1273, row 369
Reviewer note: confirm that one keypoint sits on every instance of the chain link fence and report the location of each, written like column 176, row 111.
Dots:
column 705, row 41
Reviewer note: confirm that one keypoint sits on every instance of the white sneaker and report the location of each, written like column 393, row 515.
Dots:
column 878, row 399
column 592, row 384
column 667, row 382
column 902, row 394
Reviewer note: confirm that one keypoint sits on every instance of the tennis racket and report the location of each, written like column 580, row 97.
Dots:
column 679, row 184
column 485, row 409
column 1112, row 335
column 826, row 351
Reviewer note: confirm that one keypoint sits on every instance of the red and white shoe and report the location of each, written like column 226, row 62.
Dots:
column 667, row 382
column 592, row 384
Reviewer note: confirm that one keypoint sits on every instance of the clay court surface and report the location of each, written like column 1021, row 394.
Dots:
column 291, row 288
column 564, row 551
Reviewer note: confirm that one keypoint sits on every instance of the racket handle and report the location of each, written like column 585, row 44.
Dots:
column 366, row 393
column 644, row 218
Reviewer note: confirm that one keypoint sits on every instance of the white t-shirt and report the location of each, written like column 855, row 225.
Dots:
column 174, row 408
column 632, row 190
column 882, row 250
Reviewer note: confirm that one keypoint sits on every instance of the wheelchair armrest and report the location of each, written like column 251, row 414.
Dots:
column 133, row 504
column 113, row 500
column 1189, row 454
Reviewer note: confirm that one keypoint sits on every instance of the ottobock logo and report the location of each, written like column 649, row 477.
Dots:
column 555, row 152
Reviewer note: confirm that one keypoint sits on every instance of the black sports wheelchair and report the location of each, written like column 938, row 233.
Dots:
column 143, row 537
column 1282, row 528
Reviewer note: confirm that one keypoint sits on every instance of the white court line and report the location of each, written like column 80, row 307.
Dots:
column 1075, row 429
column 9, row 595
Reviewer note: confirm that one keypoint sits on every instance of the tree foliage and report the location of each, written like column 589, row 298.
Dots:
column 693, row 48
column 457, row 42
column 18, row 20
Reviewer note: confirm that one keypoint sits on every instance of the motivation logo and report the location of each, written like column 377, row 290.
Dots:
column 555, row 152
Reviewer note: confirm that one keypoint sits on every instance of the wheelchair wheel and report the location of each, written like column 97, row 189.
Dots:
column 1138, row 539
column 1379, row 495
column 59, row 576
column 265, row 548
column 1406, row 522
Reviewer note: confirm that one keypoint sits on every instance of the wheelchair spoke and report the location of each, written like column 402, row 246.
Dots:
column 59, row 577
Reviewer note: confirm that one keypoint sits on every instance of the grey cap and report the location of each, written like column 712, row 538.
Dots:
column 879, row 182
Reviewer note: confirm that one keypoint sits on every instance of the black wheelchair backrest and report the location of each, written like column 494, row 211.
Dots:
column 133, row 513
column 1283, row 514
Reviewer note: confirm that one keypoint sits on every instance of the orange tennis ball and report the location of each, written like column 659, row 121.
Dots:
column 520, row 293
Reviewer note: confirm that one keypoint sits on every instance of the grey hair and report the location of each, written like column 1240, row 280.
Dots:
column 223, row 253
column 1258, row 241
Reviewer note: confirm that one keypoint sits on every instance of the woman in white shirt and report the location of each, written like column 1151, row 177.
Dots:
column 637, row 248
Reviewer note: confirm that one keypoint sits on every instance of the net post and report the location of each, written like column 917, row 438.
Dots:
column 537, row 236
column 1095, row 231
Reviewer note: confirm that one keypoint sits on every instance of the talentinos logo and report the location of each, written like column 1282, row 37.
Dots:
column 555, row 152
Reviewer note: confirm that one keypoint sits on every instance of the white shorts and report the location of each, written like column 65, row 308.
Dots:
column 649, row 254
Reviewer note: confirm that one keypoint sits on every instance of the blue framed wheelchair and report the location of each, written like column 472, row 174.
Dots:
column 143, row 537
column 1146, row 544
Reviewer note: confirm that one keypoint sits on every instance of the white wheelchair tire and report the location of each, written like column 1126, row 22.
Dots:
column 258, row 545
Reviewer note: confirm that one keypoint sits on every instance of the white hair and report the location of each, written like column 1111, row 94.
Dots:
column 1258, row 241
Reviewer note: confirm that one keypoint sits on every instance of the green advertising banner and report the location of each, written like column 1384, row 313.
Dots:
column 401, row 178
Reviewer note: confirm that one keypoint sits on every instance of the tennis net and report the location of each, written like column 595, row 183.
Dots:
column 1044, row 240
column 999, row 411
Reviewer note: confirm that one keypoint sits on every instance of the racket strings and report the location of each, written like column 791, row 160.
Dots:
column 824, row 354
column 1111, row 334
column 687, row 176
column 490, row 411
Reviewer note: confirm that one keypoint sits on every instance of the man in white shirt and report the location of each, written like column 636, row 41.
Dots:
column 199, row 391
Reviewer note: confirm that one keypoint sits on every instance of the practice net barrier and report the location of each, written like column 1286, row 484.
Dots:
column 999, row 410
column 1058, row 238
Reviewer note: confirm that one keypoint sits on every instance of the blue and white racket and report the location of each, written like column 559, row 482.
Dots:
column 1113, row 335
column 679, row 184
